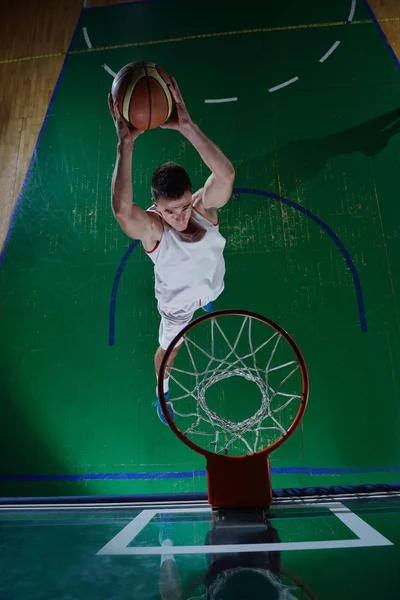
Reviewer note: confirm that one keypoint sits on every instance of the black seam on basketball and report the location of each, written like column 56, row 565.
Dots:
column 148, row 92
column 168, row 113
column 165, row 96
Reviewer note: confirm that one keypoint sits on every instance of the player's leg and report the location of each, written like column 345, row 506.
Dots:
column 169, row 581
column 158, row 360
column 157, row 364
column 171, row 324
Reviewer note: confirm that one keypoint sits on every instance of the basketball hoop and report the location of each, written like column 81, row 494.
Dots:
column 252, row 349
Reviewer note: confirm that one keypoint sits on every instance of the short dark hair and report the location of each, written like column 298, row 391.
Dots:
column 170, row 181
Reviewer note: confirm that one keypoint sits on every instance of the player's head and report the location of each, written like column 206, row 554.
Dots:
column 172, row 193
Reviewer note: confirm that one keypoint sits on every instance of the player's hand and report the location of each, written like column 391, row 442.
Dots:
column 125, row 133
column 180, row 118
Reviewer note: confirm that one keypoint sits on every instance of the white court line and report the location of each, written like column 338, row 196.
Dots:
column 84, row 3
column 367, row 536
column 110, row 71
column 181, row 505
column 87, row 39
column 360, row 528
column 220, row 100
column 128, row 533
column 184, row 510
column 234, row 548
column 352, row 10
column 331, row 49
column 284, row 84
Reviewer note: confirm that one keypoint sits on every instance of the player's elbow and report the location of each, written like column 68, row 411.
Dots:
column 230, row 173
column 119, row 207
column 226, row 176
column 120, row 215
column 117, row 210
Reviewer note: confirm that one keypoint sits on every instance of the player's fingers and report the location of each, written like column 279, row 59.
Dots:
column 111, row 106
column 116, row 111
column 175, row 91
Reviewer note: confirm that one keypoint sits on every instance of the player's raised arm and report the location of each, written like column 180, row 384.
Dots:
column 218, row 187
column 136, row 222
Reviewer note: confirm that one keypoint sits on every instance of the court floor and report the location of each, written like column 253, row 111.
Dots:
column 316, row 548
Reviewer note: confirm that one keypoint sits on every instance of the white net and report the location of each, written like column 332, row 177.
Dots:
column 236, row 385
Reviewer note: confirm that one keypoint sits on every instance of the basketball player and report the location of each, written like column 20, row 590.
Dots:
column 179, row 231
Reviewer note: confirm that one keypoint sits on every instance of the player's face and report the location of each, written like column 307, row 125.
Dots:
column 176, row 212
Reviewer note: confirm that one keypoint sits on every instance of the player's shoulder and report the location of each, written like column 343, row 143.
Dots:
column 208, row 213
column 155, row 231
column 155, row 218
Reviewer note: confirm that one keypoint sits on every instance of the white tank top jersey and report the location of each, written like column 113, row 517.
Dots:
column 189, row 269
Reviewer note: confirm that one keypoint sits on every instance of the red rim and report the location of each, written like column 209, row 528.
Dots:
column 304, row 376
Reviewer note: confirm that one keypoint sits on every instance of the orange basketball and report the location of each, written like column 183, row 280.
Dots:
column 142, row 94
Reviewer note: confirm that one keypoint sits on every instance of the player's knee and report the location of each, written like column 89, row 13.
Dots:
column 175, row 351
column 161, row 353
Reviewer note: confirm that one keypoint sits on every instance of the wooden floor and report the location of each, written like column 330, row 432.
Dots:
column 26, row 82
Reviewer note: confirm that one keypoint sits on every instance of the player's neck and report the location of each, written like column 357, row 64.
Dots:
column 191, row 228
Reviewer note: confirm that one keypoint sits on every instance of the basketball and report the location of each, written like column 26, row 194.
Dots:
column 142, row 95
